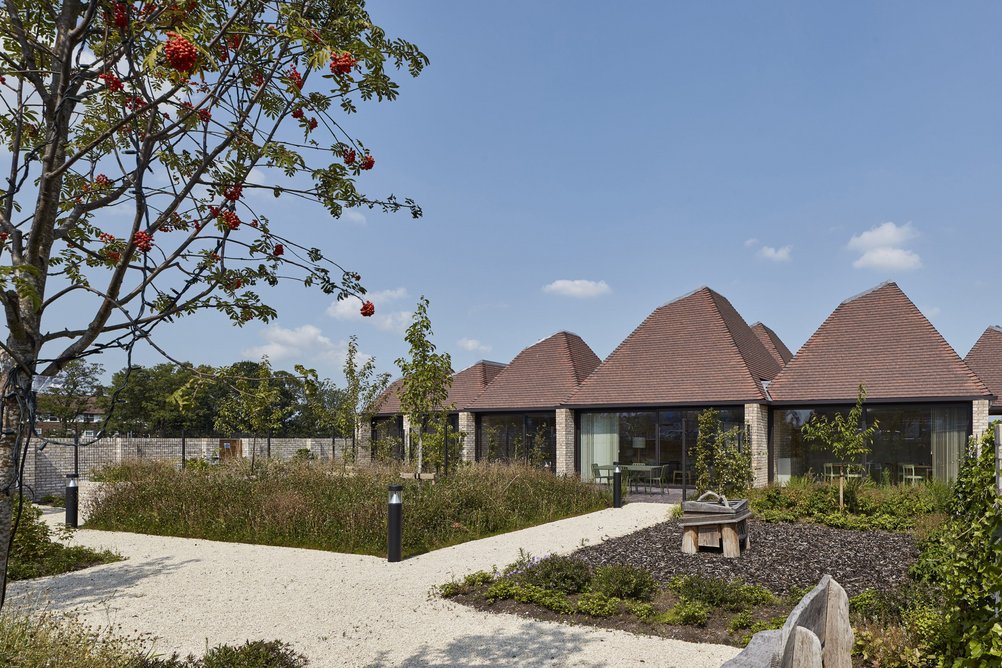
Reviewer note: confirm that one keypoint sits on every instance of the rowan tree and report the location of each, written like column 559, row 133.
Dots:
column 158, row 112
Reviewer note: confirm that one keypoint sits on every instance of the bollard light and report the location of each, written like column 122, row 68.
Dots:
column 72, row 500
column 394, row 523
column 617, row 486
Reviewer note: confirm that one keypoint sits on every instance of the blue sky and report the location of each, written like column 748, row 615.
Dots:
column 788, row 155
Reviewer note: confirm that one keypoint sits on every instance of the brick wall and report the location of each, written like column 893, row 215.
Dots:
column 565, row 441
column 757, row 421
column 45, row 470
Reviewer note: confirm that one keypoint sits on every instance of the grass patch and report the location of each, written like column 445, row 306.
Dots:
column 868, row 506
column 35, row 554
column 48, row 641
column 310, row 505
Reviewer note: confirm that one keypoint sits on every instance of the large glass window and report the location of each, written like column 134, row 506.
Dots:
column 645, row 437
column 914, row 442
column 529, row 438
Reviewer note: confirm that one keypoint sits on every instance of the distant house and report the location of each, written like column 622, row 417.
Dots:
column 641, row 404
column 926, row 400
column 389, row 428
column 985, row 359
column 516, row 416
column 557, row 405
column 87, row 422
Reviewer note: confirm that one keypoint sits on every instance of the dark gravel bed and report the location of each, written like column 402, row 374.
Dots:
column 782, row 556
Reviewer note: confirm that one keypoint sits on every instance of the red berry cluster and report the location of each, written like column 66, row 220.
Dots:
column 235, row 41
column 102, row 181
column 180, row 53
column 3, row 236
column 121, row 15
column 342, row 63
column 258, row 79
column 349, row 156
column 233, row 193
column 113, row 83
column 279, row 250
column 231, row 219
column 205, row 115
column 254, row 223
column 134, row 102
column 236, row 284
column 106, row 238
column 297, row 112
column 313, row 123
column 368, row 162
column 368, row 308
column 113, row 256
column 295, row 77
column 143, row 241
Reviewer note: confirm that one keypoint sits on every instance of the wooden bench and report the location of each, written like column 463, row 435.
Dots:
column 720, row 524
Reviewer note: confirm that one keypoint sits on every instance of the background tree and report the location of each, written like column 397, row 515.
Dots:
column 162, row 110
column 75, row 391
column 255, row 406
column 846, row 437
column 427, row 376
column 362, row 391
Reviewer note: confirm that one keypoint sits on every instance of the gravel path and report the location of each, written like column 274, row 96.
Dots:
column 350, row 610
column 782, row 556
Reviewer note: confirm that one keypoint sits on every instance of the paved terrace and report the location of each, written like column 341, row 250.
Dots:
column 349, row 610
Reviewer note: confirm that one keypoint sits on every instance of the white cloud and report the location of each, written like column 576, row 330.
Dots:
column 888, row 258
column 751, row 242
column 885, row 235
column 305, row 344
column 775, row 254
column 384, row 318
column 353, row 216
column 579, row 288
column 882, row 247
column 473, row 345
column 930, row 311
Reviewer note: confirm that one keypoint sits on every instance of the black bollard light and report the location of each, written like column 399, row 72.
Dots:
column 617, row 486
column 72, row 500
column 394, row 525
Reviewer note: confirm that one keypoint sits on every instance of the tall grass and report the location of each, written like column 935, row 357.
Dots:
column 310, row 505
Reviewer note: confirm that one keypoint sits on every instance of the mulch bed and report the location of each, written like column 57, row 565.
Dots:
column 782, row 556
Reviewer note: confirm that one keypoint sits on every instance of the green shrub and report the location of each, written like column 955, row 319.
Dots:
column 718, row 593
column 569, row 575
column 53, row 500
column 479, row 579
column 34, row 554
column 742, row 620
column 303, row 455
column 886, row 507
column 306, row 504
column 686, row 613
column 763, row 625
column 645, row 612
column 597, row 604
column 501, row 590
column 624, row 581
column 253, row 654
column 527, row 593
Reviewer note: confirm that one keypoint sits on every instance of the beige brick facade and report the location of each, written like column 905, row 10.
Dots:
column 757, row 421
column 565, row 441
column 468, row 425
column 980, row 417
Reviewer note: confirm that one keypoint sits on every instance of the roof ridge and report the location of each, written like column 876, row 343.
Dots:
column 757, row 382
column 871, row 290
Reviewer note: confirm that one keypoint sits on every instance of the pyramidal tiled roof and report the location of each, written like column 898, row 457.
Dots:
column 540, row 377
column 985, row 359
column 694, row 350
column 880, row 339
column 772, row 343
column 467, row 385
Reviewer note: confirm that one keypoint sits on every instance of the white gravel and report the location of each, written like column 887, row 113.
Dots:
column 349, row 610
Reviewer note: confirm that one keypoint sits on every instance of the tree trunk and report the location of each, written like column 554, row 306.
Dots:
column 841, row 492
column 420, row 436
column 15, row 430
